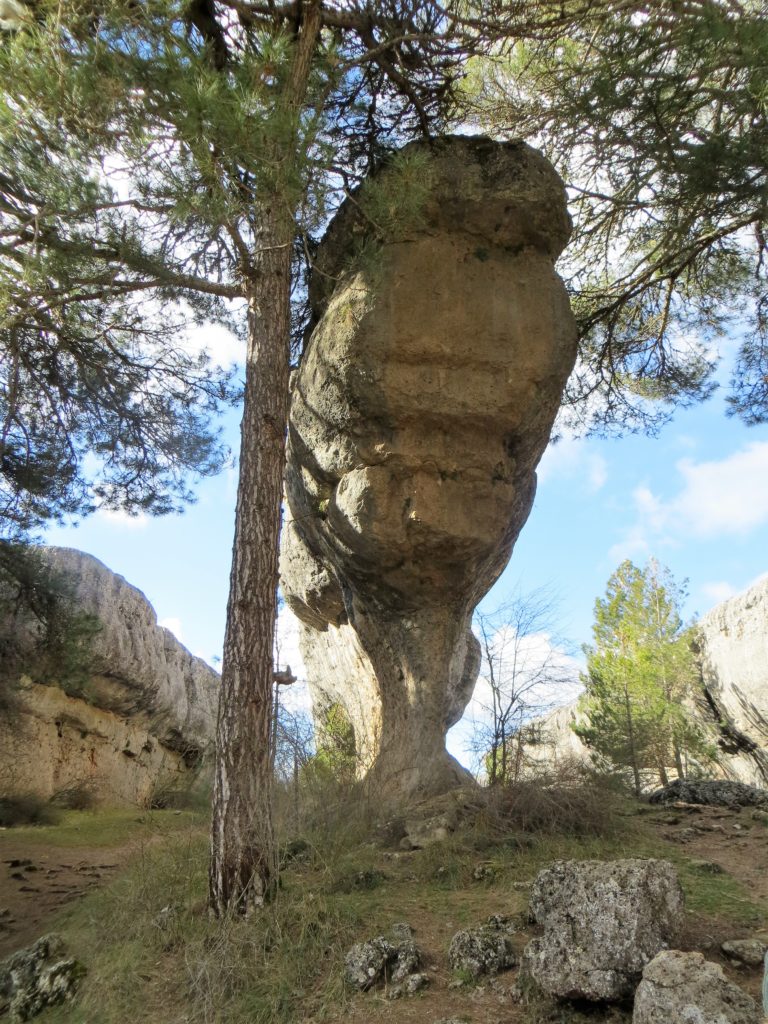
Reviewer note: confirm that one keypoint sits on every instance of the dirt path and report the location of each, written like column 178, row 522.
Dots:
column 36, row 883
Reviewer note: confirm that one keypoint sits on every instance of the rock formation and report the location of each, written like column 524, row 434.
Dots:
column 734, row 674
column 422, row 405
column 603, row 922
column 145, row 720
column 685, row 987
column 732, row 705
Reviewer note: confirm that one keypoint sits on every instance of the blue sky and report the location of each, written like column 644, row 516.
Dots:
column 695, row 497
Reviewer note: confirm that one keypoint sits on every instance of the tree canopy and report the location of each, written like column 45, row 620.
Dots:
column 656, row 115
column 641, row 679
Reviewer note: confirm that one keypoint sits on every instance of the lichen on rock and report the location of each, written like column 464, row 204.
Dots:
column 422, row 405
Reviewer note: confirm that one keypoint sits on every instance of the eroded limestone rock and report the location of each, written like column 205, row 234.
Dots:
column 421, row 408
column 603, row 922
column 34, row 978
column 486, row 949
column 687, row 989
column 145, row 719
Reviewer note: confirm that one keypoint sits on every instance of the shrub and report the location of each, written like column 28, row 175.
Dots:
column 26, row 809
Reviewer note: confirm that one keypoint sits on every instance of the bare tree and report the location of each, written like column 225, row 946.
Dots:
column 526, row 671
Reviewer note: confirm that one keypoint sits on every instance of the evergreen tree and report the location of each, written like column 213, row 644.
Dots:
column 641, row 678
column 233, row 127
column 656, row 116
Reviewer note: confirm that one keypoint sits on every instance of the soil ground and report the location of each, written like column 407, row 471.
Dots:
column 722, row 857
column 42, row 870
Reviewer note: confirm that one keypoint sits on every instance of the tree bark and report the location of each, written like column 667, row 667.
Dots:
column 243, row 867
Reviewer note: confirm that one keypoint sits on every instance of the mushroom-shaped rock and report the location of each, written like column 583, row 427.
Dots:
column 423, row 403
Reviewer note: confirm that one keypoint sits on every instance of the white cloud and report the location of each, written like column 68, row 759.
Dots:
column 572, row 459
column 718, row 591
column 224, row 347
column 295, row 697
column 120, row 518
column 719, row 498
column 173, row 623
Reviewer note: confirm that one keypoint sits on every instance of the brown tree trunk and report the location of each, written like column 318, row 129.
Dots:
column 243, row 868
column 243, row 865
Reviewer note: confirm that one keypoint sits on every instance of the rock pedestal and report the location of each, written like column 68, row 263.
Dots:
column 422, row 405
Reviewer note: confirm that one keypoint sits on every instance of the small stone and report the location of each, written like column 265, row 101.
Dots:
column 483, row 873
column 486, row 949
column 747, row 951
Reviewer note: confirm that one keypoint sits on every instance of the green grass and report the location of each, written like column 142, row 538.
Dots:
column 153, row 953
column 103, row 828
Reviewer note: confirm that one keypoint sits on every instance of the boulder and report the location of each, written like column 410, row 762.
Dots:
column 394, row 959
column 141, row 724
column 687, row 989
column 486, row 949
column 716, row 792
column 34, row 978
column 423, row 403
column 603, row 922
column 747, row 951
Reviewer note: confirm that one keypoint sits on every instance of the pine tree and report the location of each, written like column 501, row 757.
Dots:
column 655, row 115
column 641, row 678
column 233, row 126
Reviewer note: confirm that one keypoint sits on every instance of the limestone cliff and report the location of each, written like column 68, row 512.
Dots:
column 734, row 673
column 421, row 408
column 147, row 717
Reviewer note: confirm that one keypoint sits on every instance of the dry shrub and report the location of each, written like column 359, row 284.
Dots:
column 26, row 809
column 77, row 797
column 568, row 800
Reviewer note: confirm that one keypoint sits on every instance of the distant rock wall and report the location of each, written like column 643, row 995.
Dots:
column 423, row 403
column 148, row 719
column 734, row 673
column 732, row 704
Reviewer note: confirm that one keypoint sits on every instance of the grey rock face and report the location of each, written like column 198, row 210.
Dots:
column 603, row 922
column 421, row 408
column 734, row 669
column 37, row 977
column 486, row 949
column 141, row 666
column 715, row 792
column 687, row 989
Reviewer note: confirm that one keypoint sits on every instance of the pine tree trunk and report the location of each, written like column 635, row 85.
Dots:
column 243, row 868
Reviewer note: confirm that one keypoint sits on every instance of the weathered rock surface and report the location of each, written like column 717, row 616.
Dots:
column 147, row 717
column 687, row 989
column 486, row 949
column 733, row 702
column 34, row 978
column 395, row 959
column 603, row 922
column 734, row 672
column 421, row 408
column 747, row 951
column 712, row 792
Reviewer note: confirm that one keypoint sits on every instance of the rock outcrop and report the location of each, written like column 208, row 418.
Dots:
column 687, row 988
column 422, row 405
column 141, row 725
column 603, row 922
column 734, row 674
